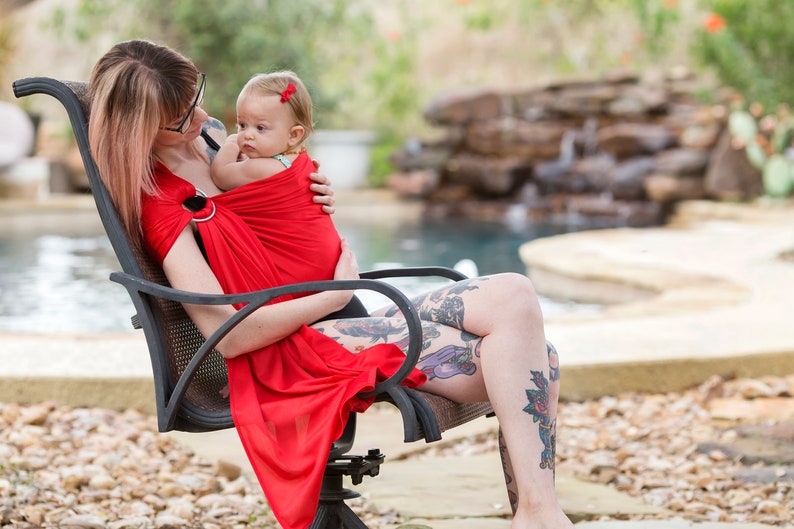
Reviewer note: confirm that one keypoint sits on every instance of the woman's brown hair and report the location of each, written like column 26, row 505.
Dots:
column 135, row 88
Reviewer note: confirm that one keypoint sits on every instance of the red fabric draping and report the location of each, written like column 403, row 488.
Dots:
column 289, row 400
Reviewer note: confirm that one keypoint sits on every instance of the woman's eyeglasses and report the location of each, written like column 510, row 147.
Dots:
column 187, row 121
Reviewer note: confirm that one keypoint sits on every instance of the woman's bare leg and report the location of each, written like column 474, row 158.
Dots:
column 511, row 369
column 520, row 385
column 550, row 442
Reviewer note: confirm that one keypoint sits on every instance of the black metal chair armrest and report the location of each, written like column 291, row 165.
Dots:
column 253, row 300
column 421, row 271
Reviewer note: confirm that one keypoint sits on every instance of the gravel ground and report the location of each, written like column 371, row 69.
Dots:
column 95, row 468
column 719, row 453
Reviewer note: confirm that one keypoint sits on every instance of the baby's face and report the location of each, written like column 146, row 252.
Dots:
column 263, row 125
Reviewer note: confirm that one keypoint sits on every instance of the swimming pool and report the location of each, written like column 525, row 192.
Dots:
column 54, row 268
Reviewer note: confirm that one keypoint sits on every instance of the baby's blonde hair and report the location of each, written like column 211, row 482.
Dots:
column 274, row 84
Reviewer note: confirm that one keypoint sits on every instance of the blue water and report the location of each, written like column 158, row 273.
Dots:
column 55, row 280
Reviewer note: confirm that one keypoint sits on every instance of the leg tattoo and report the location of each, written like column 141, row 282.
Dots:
column 554, row 363
column 507, row 468
column 374, row 328
column 538, row 407
column 444, row 305
column 554, row 376
column 452, row 360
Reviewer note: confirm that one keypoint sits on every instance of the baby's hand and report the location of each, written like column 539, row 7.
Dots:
column 231, row 138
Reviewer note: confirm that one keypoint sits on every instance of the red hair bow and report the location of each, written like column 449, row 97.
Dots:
column 286, row 95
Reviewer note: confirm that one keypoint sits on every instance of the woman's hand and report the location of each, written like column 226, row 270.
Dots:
column 346, row 268
column 325, row 193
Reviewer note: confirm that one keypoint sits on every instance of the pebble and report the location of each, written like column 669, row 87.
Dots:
column 658, row 444
column 99, row 469
column 649, row 447
column 82, row 521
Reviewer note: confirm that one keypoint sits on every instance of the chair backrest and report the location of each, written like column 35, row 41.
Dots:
column 171, row 336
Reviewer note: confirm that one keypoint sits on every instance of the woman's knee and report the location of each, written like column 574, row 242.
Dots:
column 503, row 301
column 512, row 280
column 518, row 293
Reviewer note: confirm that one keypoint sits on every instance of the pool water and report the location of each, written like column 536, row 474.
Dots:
column 54, row 279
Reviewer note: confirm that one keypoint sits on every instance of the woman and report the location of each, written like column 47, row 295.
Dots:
column 484, row 337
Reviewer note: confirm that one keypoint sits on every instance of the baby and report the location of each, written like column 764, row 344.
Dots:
column 264, row 172
column 274, row 119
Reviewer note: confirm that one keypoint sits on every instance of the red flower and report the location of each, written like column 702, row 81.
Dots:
column 714, row 23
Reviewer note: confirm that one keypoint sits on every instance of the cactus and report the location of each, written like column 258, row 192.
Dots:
column 756, row 154
column 783, row 134
column 742, row 125
column 767, row 147
column 777, row 176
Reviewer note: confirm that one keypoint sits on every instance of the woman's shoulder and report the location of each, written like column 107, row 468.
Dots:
column 212, row 130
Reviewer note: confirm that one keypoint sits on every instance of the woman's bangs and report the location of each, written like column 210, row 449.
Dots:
column 179, row 96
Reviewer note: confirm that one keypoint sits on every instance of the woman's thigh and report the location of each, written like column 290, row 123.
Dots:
column 449, row 357
column 476, row 305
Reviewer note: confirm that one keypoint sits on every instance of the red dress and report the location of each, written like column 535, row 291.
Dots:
column 289, row 400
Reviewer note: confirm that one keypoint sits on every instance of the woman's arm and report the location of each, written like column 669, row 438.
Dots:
column 186, row 269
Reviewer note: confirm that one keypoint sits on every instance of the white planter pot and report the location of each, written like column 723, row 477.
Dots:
column 343, row 156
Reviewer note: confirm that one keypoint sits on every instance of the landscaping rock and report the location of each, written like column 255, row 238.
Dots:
column 585, row 137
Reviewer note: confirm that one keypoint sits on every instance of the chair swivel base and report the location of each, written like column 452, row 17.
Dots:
column 333, row 512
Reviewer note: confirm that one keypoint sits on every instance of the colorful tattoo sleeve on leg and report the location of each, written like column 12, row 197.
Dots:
column 512, row 492
column 554, row 363
column 538, row 408
column 376, row 329
column 452, row 359
column 444, row 305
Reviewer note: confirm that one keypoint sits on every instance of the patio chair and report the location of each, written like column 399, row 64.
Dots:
column 188, row 372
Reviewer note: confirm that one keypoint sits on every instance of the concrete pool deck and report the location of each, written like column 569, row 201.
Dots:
column 708, row 294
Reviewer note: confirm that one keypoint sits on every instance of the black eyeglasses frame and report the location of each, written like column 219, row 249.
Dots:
column 187, row 121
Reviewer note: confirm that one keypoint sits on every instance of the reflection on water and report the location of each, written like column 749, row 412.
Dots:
column 55, row 279
column 56, row 283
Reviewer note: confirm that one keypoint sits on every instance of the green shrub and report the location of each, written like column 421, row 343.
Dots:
column 750, row 47
column 234, row 39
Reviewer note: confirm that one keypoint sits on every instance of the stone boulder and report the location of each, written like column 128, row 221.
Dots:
column 465, row 106
column 669, row 188
column 624, row 140
column 495, row 177
column 624, row 146
column 730, row 176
